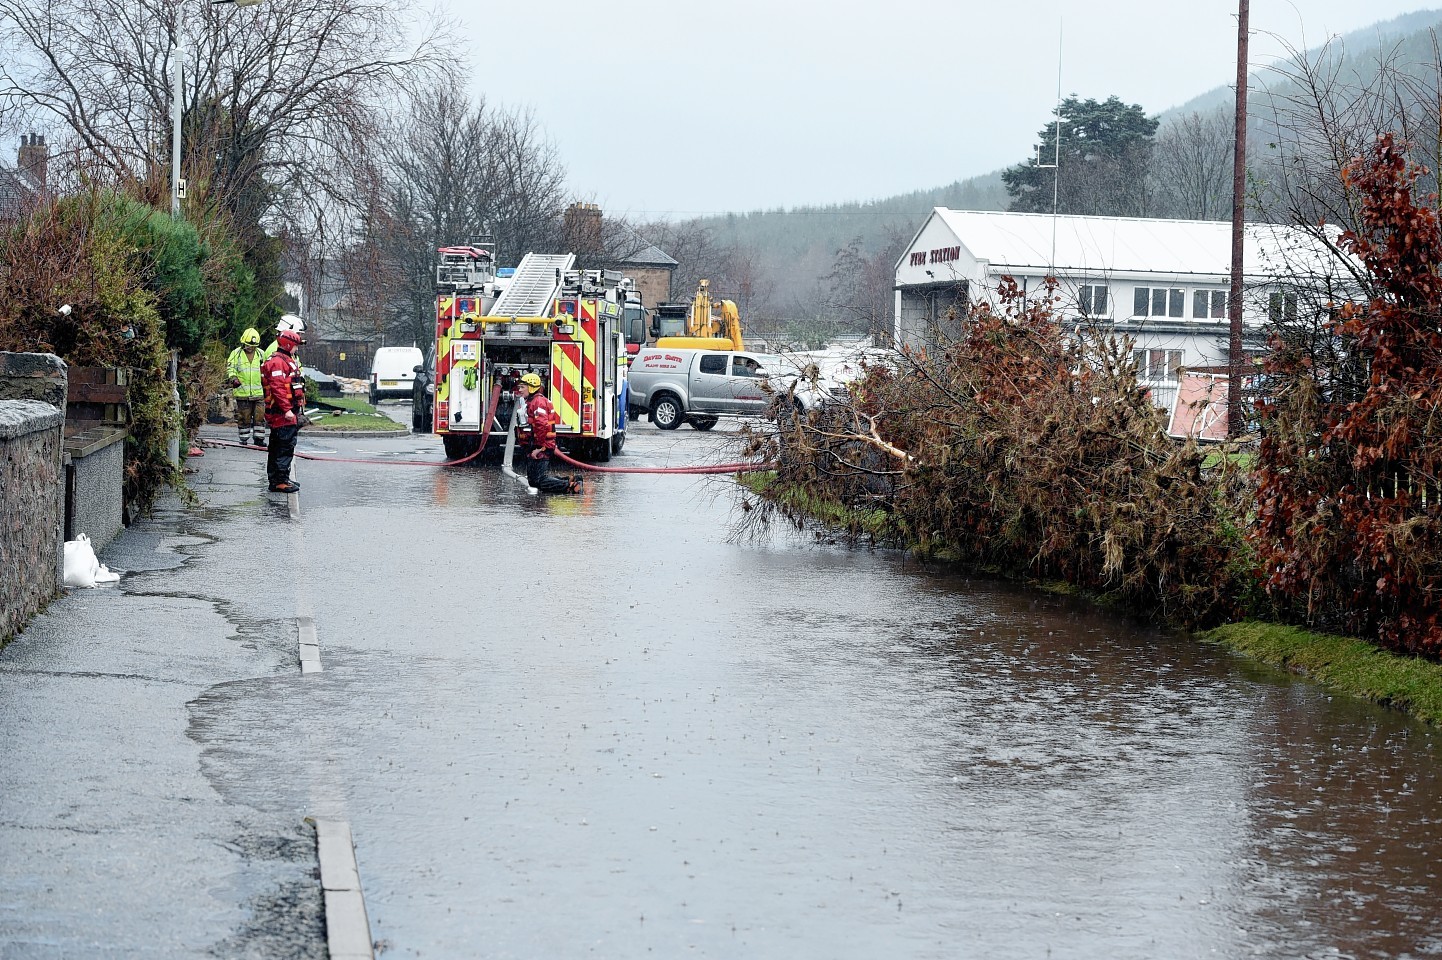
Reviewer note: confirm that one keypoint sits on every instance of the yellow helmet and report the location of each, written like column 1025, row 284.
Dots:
column 532, row 381
column 250, row 336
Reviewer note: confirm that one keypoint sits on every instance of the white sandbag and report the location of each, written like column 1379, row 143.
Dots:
column 106, row 575
column 81, row 564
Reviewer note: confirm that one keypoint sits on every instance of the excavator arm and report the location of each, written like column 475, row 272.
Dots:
column 704, row 329
column 731, row 324
column 698, row 321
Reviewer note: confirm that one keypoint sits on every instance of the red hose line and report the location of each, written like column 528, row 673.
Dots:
column 710, row 468
column 702, row 469
column 485, row 436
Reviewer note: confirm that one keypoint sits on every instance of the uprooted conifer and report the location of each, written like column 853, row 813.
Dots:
column 1028, row 448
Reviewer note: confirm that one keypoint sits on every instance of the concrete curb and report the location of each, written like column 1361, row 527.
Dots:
column 309, row 646
column 353, row 434
column 347, row 928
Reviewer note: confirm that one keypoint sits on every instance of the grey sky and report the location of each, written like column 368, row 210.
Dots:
column 676, row 108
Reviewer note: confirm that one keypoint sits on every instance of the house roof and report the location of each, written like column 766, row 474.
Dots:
column 17, row 193
column 1023, row 242
column 650, row 256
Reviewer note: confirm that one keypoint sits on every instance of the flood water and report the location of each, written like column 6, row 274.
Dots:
column 604, row 726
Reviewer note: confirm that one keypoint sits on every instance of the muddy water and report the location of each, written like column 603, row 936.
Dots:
column 602, row 727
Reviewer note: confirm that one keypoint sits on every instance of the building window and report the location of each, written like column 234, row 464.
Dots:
column 1091, row 300
column 1281, row 306
column 1157, row 366
column 1209, row 305
column 1158, row 302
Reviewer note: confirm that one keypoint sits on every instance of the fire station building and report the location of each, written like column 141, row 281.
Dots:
column 1163, row 283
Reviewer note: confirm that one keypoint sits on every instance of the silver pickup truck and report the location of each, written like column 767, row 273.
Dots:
column 692, row 386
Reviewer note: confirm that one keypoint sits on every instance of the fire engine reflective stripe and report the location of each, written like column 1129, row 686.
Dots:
column 586, row 334
column 445, row 310
column 566, row 385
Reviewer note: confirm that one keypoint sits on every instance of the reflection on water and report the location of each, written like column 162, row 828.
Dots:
column 593, row 725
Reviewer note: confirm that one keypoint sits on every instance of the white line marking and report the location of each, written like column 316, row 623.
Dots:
column 309, row 646
column 294, row 498
column 347, row 928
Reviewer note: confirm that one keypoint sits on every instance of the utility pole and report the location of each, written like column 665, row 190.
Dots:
column 1235, row 356
column 177, row 53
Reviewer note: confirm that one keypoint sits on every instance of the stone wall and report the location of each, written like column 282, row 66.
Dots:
column 34, row 376
column 31, row 508
column 96, row 490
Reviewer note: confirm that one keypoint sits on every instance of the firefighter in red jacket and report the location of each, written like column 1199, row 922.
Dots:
column 284, row 387
column 541, row 418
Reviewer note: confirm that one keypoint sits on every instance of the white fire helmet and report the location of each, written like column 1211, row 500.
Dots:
column 290, row 321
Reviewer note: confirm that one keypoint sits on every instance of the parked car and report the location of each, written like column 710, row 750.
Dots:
column 393, row 370
column 696, row 386
column 423, row 393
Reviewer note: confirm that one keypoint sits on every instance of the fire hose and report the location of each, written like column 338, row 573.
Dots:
column 700, row 469
column 485, row 435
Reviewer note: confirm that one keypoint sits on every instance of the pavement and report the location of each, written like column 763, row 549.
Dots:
column 113, row 843
column 121, row 833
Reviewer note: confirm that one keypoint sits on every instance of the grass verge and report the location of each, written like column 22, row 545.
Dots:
column 354, row 421
column 874, row 524
column 346, row 404
column 1343, row 664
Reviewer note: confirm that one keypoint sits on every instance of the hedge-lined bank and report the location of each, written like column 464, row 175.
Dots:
column 1345, row 665
column 139, row 284
column 1027, row 448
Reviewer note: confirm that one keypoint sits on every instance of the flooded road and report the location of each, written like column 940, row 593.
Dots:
column 602, row 726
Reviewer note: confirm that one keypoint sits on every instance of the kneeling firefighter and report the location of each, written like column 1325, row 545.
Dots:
column 541, row 420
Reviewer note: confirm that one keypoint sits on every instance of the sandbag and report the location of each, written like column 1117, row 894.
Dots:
column 82, row 567
column 81, row 564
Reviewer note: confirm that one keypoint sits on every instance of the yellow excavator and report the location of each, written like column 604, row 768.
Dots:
column 709, row 324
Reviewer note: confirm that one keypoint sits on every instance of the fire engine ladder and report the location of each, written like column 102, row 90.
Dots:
column 534, row 285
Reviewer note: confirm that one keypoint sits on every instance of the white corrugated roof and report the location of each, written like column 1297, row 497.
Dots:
column 1105, row 245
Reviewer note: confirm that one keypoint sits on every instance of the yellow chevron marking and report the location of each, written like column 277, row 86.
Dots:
column 564, row 370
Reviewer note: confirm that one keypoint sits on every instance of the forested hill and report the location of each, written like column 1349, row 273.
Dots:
column 797, row 248
column 1407, row 36
column 801, row 244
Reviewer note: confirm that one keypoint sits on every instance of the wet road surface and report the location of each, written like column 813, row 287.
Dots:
column 604, row 726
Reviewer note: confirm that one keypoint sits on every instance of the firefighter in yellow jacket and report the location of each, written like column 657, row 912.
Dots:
column 243, row 369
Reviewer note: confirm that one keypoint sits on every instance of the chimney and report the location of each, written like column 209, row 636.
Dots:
column 34, row 159
column 582, row 225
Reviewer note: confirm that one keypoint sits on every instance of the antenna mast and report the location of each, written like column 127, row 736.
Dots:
column 1056, row 157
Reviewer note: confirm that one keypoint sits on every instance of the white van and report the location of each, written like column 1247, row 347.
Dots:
column 393, row 372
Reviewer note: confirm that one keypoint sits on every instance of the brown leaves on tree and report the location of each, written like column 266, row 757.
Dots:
column 1347, row 528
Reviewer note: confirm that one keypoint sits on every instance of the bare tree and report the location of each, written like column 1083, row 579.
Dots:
column 447, row 169
column 1322, row 110
column 277, row 99
column 1191, row 166
column 860, row 289
column 694, row 247
column 745, row 279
